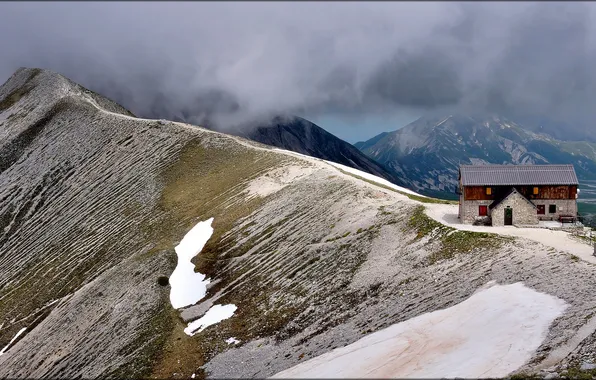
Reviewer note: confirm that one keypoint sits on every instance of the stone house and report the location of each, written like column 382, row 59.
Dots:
column 517, row 194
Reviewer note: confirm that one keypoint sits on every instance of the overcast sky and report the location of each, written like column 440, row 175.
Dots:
column 356, row 68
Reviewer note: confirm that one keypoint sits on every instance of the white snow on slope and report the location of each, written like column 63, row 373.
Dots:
column 232, row 340
column 187, row 286
column 351, row 170
column 292, row 153
column 12, row 340
column 373, row 178
column 490, row 334
column 215, row 314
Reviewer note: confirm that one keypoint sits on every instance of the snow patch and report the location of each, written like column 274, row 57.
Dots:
column 12, row 340
column 373, row 178
column 232, row 340
column 215, row 314
column 292, row 153
column 188, row 286
column 491, row 334
column 444, row 120
column 351, row 170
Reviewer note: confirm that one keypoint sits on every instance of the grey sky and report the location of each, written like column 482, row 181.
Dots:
column 357, row 68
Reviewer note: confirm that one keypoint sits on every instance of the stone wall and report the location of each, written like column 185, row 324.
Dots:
column 469, row 211
column 523, row 211
column 564, row 207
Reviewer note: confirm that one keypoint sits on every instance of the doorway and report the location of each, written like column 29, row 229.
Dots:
column 508, row 216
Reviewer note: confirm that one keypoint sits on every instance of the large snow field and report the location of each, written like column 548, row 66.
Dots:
column 560, row 240
column 490, row 334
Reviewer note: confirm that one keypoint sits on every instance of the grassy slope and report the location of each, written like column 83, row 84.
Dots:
column 193, row 192
column 199, row 185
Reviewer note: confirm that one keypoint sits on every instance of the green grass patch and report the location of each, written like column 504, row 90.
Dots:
column 575, row 372
column 452, row 241
column 338, row 237
column 204, row 182
column 524, row 376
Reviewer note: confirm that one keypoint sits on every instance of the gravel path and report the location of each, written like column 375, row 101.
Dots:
column 559, row 240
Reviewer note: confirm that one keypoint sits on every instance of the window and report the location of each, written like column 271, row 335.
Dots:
column 552, row 209
column 540, row 209
column 483, row 210
column 535, row 192
column 489, row 191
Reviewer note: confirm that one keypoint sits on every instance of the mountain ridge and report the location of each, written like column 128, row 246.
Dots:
column 312, row 257
column 300, row 135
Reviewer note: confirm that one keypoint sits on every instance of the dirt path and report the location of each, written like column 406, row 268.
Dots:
column 559, row 240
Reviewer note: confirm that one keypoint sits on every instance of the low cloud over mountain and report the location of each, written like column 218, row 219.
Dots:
column 230, row 62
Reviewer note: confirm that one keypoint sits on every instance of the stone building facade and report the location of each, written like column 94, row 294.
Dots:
column 521, row 209
column 516, row 194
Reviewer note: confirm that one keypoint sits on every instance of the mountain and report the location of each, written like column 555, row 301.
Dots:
column 428, row 152
column 362, row 145
column 302, row 136
column 137, row 248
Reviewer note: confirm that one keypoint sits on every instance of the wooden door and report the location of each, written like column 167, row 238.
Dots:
column 508, row 216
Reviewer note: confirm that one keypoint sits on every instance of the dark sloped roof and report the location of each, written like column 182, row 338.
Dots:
column 515, row 175
column 507, row 195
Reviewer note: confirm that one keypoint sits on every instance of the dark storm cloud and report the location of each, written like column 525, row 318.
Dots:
column 427, row 79
column 229, row 62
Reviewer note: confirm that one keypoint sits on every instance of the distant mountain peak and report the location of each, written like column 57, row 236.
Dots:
column 429, row 149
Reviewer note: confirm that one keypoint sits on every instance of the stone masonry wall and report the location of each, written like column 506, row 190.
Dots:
column 523, row 211
column 564, row 207
column 469, row 211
